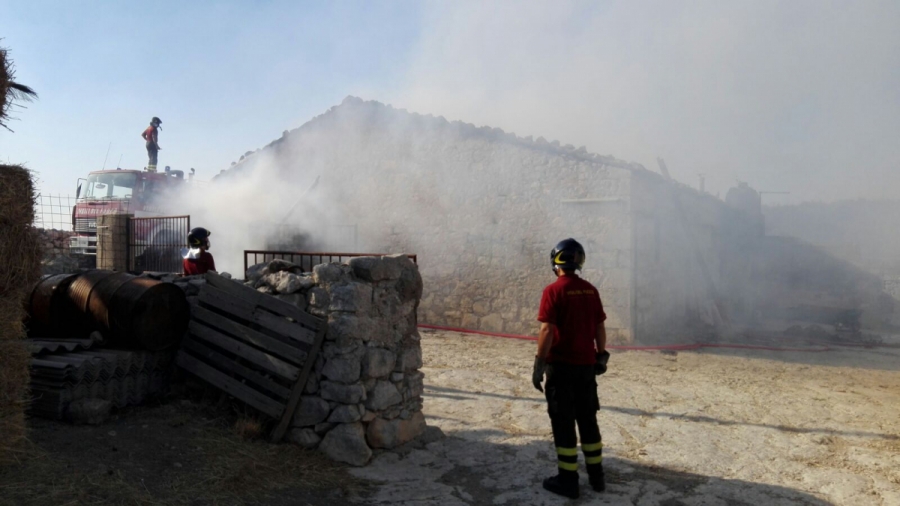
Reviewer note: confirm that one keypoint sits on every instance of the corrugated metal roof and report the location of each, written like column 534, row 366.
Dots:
column 40, row 346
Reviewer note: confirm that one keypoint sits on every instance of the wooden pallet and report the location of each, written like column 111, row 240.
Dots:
column 253, row 346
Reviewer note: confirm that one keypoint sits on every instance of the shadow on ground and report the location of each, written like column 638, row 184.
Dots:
column 875, row 358
column 484, row 467
column 462, row 395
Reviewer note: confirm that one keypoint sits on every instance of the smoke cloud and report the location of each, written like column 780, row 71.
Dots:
column 794, row 97
column 791, row 96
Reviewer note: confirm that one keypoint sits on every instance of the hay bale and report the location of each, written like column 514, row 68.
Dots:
column 20, row 259
column 17, row 196
column 14, row 378
column 20, row 246
column 20, row 262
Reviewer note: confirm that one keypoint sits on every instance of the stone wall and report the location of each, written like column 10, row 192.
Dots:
column 367, row 389
column 705, row 270
column 694, row 259
column 859, row 231
column 481, row 207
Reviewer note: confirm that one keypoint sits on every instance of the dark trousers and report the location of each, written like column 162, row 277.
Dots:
column 572, row 400
column 152, row 153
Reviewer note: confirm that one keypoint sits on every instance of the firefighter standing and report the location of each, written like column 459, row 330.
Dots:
column 151, row 135
column 197, row 259
column 572, row 350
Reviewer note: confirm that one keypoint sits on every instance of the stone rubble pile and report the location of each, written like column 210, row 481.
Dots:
column 54, row 242
column 55, row 251
column 366, row 390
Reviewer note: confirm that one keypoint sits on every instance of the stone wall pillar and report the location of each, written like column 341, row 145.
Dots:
column 366, row 390
column 112, row 242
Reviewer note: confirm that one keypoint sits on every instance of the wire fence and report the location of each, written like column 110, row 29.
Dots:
column 54, row 212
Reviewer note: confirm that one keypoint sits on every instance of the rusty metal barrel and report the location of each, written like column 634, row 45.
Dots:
column 147, row 313
column 129, row 311
column 99, row 300
column 50, row 311
column 80, row 289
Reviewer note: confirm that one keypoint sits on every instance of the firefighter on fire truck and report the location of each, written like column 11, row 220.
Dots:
column 151, row 135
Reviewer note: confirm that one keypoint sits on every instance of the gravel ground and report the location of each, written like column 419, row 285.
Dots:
column 698, row 428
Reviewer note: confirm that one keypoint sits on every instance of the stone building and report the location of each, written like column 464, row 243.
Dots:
column 482, row 208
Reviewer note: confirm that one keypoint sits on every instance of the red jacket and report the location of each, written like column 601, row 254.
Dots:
column 151, row 135
column 200, row 265
column 574, row 306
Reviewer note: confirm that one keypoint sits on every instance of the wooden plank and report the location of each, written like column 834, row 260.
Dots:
column 288, row 414
column 244, row 310
column 283, row 326
column 221, row 300
column 230, row 385
column 223, row 363
column 269, row 302
column 247, row 352
column 293, row 352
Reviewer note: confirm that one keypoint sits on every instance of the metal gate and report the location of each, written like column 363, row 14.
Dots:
column 306, row 260
column 155, row 244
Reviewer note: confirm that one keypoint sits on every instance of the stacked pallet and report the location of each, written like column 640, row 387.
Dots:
column 253, row 346
column 65, row 371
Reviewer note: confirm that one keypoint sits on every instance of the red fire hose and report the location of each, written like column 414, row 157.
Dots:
column 674, row 347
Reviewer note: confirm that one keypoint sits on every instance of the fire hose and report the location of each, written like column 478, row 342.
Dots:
column 818, row 347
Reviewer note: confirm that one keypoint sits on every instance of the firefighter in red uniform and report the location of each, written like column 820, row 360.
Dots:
column 197, row 259
column 572, row 351
column 151, row 135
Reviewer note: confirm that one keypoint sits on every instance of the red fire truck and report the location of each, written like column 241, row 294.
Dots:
column 141, row 193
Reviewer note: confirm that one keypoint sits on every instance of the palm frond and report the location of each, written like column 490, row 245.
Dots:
column 21, row 92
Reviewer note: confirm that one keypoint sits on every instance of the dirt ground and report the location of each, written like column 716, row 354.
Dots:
column 692, row 428
column 697, row 428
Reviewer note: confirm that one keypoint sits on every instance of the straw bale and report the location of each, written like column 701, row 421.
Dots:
column 14, row 375
column 16, row 196
column 20, row 246
column 20, row 257
column 14, row 378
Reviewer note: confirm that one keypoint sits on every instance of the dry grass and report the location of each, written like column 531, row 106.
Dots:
column 71, row 465
column 248, row 427
column 66, row 486
column 238, row 466
column 234, row 471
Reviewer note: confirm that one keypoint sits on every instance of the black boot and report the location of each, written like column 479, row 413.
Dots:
column 565, row 483
column 596, row 477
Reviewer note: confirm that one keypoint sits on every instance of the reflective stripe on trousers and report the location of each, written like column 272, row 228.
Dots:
column 593, row 453
column 567, row 458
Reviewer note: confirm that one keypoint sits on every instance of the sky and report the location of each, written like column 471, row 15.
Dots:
column 799, row 96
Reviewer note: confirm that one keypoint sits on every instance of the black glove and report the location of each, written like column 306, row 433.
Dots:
column 600, row 365
column 537, row 375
